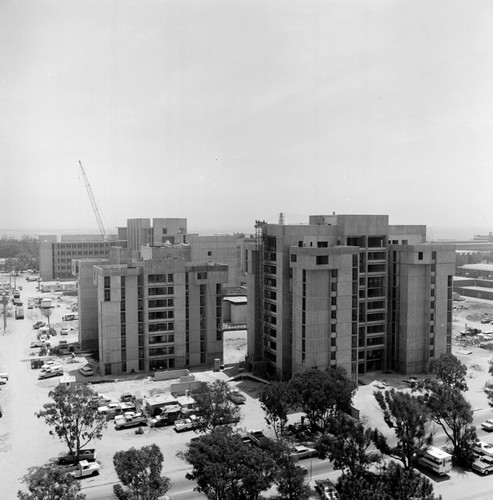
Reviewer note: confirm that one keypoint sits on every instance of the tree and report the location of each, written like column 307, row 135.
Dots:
column 73, row 417
column 140, row 471
column 50, row 483
column 449, row 369
column 397, row 483
column 348, row 446
column 322, row 394
column 450, row 410
column 214, row 406
column 275, row 400
column 225, row 468
column 410, row 419
column 290, row 477
column 393, row 483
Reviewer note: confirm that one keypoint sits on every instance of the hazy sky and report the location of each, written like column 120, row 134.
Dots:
column 227, row 111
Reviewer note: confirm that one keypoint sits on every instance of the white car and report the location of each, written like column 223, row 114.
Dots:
column 64, row 331
column 488, row 425
column 482, row 448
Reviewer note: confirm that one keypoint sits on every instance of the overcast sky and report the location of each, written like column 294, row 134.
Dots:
column 227, row 111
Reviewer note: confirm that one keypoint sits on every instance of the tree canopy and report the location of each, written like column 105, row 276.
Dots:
column 453, row 413
column 140, row 471
column 450, row 370
column 225, row 468
column 322, row 394
column 393, row 483
column 50, row 482
column 275, row 400
column 349, row 446
column 214, row 406
column 72, row 416
column 410, row 419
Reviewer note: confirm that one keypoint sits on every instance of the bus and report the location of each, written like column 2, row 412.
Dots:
column 437, row 460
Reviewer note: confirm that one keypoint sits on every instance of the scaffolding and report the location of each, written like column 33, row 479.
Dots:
column 259, row 291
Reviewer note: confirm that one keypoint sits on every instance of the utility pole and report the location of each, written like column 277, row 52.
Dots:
column 5, row 301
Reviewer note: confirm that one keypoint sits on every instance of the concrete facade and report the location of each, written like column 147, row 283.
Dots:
column 55, row 257
column 159, row 313
column 318, row 296
column 227, row 249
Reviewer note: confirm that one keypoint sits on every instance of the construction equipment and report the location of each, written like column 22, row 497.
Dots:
column 93, row 203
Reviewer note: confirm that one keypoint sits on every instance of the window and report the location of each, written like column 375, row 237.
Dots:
column 420, row 255
column 333, row 314
column 202, row 275
column 209, row 253
column 322, row 259
column 107, row 295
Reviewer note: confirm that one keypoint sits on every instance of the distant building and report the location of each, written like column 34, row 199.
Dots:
column 55, row 257
column 349, row 291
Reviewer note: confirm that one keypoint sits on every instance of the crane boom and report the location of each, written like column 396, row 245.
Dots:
column 93, row 203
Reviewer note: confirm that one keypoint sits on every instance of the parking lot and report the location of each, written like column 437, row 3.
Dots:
column 25, row 440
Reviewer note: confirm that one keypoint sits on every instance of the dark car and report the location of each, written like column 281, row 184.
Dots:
column 38, row 324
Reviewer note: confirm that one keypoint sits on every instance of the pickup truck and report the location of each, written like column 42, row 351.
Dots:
column 88, row 454
column 83, row 469
column 186, row 424
column 484, row 465
column 130, row 419
column 258, row 438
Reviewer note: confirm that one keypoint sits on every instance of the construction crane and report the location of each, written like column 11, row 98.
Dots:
column 93, row 203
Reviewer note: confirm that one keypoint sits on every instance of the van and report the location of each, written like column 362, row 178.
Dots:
column 4, row 375
column 55, row 369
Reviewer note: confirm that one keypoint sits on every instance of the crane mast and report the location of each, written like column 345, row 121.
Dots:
column 93, row 203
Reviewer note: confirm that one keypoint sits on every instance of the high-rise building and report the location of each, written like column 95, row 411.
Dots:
column 156, row 312
column 349, row 291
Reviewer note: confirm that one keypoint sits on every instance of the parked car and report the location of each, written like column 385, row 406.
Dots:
column 488, row 425
column 87, row 371
column 64, row 331
column 485, row 321
column 301, row 452
column 38, row 324
column 236, row 397
column 482, row 448
column 326, row 489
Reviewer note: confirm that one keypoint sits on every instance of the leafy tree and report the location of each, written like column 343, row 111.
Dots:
column 393, row 483
column 51, row 482
column 322, row 394
column 275, row 400
column 214, row 406
column 72, row 416
column 140, row 471
column 410, row 419
column 450, row 410
column 225, row 468
column 348, row 446
column 449, row 369
column 290, row 477
column 397, row 483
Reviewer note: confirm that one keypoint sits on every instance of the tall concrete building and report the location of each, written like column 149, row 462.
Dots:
column 350, row 291
column 140, row 232
column 156, row 312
